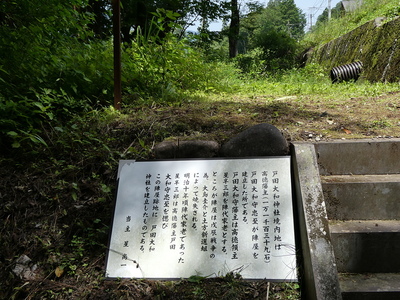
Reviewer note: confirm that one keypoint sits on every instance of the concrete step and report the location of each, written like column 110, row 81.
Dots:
column 362, row 197
column 371, row 246
column 360, row 183
column 379, row 156
column 378, row 286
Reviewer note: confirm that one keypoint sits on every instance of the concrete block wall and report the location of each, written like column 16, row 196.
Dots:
column 376, row 44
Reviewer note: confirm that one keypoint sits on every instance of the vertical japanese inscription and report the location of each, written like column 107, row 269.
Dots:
column 211, row 215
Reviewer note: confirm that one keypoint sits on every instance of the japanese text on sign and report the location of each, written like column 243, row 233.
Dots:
column 175, row 219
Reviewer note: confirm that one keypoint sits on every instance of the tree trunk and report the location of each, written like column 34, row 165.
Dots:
column 234, row 29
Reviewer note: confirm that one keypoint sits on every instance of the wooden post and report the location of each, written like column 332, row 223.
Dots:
column 117, row 52
column 234, row 29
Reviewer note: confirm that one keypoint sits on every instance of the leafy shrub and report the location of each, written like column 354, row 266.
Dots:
column 392, row 10
column 23, row 118
column 49, row 68
column 83, row 70
column 167, row 69
column 252, row 62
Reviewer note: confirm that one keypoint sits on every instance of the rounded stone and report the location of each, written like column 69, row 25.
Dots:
column 186, row 149
column 259, row 140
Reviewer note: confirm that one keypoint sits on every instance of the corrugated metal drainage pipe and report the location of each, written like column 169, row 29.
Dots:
column 346, row 72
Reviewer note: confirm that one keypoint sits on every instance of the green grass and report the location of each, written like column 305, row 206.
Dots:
column 369, row 10
column 59, row 205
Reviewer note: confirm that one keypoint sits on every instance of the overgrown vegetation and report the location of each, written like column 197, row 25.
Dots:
column 267, row 38
column 57, row 202
column 60, row 141
column 343, row 22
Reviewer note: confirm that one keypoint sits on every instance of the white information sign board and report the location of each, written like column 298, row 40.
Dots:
column 175, row 219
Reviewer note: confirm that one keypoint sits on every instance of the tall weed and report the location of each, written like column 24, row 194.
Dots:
column 23, row 119
column 369, row 10
column 84, row 70
column 49, row 69
column 170, row 68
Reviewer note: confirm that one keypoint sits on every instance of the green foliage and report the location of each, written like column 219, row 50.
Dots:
column 252, row 62
column 48, row 69
column 62, row 199
column 392, row 10
column 22, row 118
column 31, row 38
column 275, row 30
column 65, row 72
column 168, row 68
column 72, row 66
column 341, row 23
column 312, row 80
column 138, row 14
column 197, row 278
column 336, row 13
column 280, row 49
column 285, row 16
column 84, row 70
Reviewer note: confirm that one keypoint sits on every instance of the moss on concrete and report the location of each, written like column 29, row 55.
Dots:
column 375, row 44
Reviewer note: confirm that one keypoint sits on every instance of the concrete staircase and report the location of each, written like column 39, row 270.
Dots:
column 361, row 187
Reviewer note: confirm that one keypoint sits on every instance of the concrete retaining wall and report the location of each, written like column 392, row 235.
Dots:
column 375, row 44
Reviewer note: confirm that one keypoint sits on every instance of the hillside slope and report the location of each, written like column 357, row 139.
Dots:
column 375, row 44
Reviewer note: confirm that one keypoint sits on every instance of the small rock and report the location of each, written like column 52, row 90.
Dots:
column 286, row 98
column 324, row 114
column 24, row 268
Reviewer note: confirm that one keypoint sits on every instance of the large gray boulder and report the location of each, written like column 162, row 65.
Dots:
column 186, row 149
column 259, row 140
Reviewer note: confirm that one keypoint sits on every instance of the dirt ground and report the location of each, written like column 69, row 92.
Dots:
column 56, row 204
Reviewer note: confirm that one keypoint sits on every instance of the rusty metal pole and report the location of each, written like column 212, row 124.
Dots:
column 116, row 6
